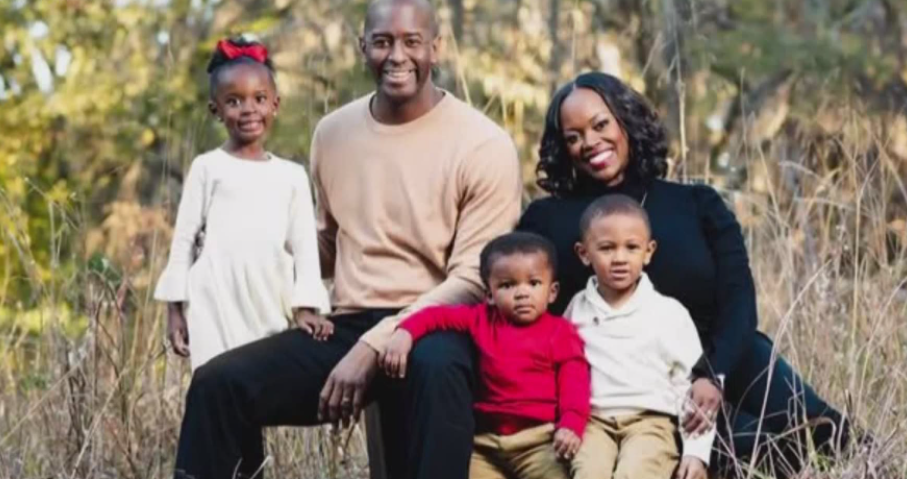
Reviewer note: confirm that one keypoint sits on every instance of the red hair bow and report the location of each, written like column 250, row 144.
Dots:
column 256, row 51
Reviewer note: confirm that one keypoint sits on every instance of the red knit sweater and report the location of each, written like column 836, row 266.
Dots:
column 528, row 374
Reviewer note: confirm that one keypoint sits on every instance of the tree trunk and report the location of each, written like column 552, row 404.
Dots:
column 457, row 15
column 677, row 18
column 556, row 60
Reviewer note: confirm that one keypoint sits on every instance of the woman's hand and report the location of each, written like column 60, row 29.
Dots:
column 177, row 333
column 393, row 361
column 691, row 468
column 566, row 443
column 706, row 399
column 317, row 325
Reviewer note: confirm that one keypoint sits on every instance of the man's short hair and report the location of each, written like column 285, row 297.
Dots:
column 612, row 205
column 426, row 5
column 517, row 242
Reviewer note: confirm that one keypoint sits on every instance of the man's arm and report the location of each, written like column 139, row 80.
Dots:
column 490, row 206
column 325, row 224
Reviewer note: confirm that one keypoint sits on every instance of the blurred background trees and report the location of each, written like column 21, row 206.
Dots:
column 102, row 102
column 793, row 109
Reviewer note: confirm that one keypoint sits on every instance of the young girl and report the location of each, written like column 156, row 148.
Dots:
column 259, row 264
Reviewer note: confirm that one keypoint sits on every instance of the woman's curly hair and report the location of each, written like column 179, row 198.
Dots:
column 645, row 132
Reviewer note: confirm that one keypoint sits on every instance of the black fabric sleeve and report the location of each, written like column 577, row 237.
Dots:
column 735, row 294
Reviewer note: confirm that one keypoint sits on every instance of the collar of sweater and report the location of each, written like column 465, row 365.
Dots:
column 644, row 289
column 590, row 188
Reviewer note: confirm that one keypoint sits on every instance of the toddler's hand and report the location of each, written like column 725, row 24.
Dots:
column 317, row 325
column 566, row 443
column 393, row 360
column 691, row 468
column 177, row 332
column 705, row 399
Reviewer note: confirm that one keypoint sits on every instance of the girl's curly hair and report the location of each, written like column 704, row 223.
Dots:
column 645, row 132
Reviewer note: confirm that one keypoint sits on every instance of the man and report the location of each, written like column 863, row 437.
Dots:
column 411, row 184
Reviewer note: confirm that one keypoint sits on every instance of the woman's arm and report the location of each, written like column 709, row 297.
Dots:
column 735, row 294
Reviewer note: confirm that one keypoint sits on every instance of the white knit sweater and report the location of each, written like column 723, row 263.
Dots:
column 641, row 355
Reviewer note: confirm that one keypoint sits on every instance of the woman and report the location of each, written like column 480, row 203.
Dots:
column 601, row 137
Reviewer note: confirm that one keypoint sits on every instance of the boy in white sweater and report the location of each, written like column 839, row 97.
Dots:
column 641, row 346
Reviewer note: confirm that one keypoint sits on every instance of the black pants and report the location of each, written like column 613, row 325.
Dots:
column 792, row 411
column 426, row 420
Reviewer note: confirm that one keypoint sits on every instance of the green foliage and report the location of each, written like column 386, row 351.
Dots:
column 103, row 102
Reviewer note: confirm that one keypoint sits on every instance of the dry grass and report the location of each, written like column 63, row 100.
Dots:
column 824, row 222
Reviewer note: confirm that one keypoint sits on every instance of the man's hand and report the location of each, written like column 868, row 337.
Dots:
column 393, row 361
column 705, row 399
column 691, row 468
column 318, row 326
column 566, row 443
column 342, row 397
column 177, row 332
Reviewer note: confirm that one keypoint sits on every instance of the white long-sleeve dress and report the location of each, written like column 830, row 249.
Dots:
column 260, row 254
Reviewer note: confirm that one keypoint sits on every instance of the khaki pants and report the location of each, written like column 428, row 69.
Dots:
column 636, row 446
column 528, row 454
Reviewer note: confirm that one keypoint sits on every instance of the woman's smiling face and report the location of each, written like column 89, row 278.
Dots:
column 595, row 140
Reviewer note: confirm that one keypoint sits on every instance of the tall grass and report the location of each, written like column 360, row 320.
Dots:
column 824, row 219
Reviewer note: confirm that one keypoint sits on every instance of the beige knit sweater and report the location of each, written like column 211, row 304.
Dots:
column 404, row 210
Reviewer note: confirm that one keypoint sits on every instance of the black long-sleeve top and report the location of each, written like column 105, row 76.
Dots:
column 700, row 260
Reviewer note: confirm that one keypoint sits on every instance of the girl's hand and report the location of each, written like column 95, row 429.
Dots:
column 566, row 443
column 177, row 333
column 706, row 399
column 393, row 360
column 691, row 468
column 317, row 325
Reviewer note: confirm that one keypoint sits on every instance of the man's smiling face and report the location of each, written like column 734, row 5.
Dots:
column 400, row 46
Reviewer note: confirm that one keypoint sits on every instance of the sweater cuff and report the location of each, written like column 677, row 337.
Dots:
column 574, row 422
column 414, row 332
column 699, row 447
column 313, row 296
column 173, row 286
column 381, row 333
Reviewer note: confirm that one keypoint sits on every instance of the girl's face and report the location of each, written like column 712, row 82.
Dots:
column 595, row 141
column 245, row 101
